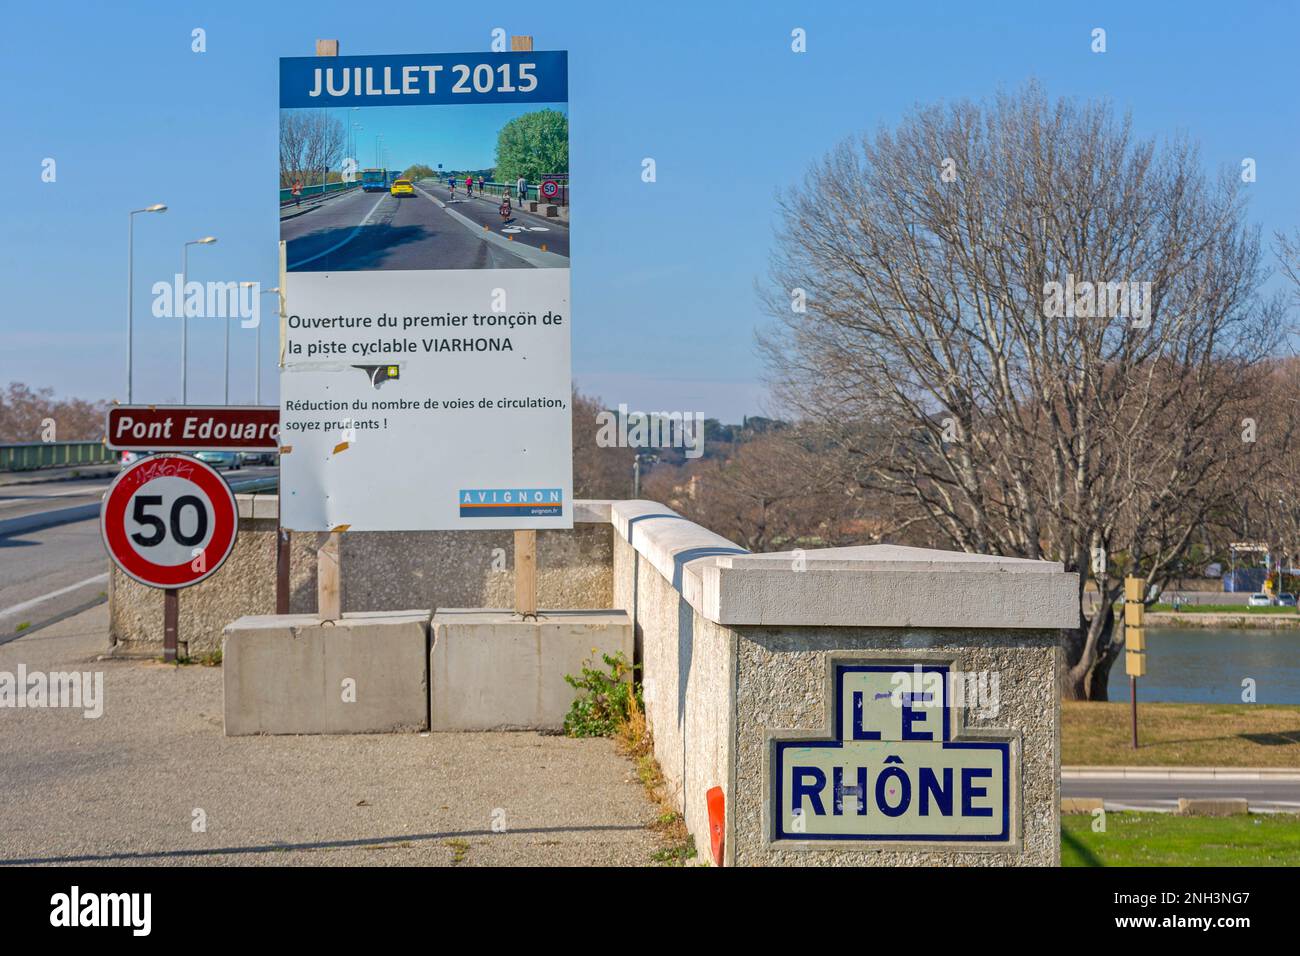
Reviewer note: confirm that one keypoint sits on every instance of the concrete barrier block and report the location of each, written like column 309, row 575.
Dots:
column 293, row 674
column 489, row 670
column 1211, row 808
column 552, row 211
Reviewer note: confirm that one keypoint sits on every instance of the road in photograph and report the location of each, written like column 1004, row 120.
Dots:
column 431, row 230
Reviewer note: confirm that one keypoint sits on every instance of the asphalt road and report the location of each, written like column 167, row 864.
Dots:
column 430, row 230
column 1261, row 795
column 47, row 573
column 19, row 501
column 50, row 572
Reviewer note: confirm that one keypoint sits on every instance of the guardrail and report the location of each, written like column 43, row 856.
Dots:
column 29, row 456
column 500, row 189
column 286, row 195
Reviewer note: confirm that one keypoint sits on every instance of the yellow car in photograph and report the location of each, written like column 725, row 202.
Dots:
column 401, row 187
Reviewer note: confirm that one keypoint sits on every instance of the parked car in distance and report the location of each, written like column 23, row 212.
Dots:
column 129, row 458
column 1286, row 599
column 259, row 457
column 1260, row 599
column 220, row 459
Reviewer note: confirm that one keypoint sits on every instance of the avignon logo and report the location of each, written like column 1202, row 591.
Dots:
column 103, row 909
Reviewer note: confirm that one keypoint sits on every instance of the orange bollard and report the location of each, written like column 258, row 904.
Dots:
column 717, row 803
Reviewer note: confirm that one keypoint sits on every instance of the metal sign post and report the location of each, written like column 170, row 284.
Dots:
column 171, row 622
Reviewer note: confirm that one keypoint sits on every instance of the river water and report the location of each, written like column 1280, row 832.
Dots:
column 1205, row 665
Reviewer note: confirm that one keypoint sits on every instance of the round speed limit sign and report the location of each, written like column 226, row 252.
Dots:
column 169, row 521
column 550, row 189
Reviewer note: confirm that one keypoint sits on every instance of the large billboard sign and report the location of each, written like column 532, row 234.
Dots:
column 425, row 371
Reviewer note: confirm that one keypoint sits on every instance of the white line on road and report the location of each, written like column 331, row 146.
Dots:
column 27, row 499
column 348, row 238
column 98, row 578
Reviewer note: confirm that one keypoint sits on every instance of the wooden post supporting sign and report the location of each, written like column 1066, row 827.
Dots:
column 525, row 541
column 526, row 573
column 1135, row 643
column 329, row 584
column 329, row 592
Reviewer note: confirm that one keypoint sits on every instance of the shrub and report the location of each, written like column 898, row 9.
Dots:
column 606, row 700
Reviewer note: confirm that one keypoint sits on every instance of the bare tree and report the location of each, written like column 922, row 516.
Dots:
column 1095, row 421
column 772, row 493
column 311, row 143
column 24, row 412
column 598, row 472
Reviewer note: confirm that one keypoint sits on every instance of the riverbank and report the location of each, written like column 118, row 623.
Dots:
column 1231, row 620
column 1097, row 734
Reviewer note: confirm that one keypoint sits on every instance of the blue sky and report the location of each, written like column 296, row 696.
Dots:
column 664, row 274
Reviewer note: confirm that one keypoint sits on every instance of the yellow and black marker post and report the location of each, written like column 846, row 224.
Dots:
column 1135, row 642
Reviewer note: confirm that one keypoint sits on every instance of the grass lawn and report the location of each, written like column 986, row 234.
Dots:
column 1180, row 735
column 1162, row 839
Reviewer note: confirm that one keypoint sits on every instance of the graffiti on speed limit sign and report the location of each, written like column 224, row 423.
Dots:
column 169, row 521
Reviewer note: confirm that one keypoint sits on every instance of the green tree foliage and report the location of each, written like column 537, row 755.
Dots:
column 532, row 146
column 419, row 171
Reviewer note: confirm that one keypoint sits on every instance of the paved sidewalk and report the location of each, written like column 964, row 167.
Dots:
column 124, row 788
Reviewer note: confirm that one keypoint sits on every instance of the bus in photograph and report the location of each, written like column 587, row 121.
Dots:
column 374, row 180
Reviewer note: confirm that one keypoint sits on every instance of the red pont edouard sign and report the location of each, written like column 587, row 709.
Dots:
column 193, row 428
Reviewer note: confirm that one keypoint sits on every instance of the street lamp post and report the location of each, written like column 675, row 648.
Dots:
column 257, row 360
column 225, row 373
column 352, row 129
column 185, row 321
column 279, row 308
column 130, row 296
